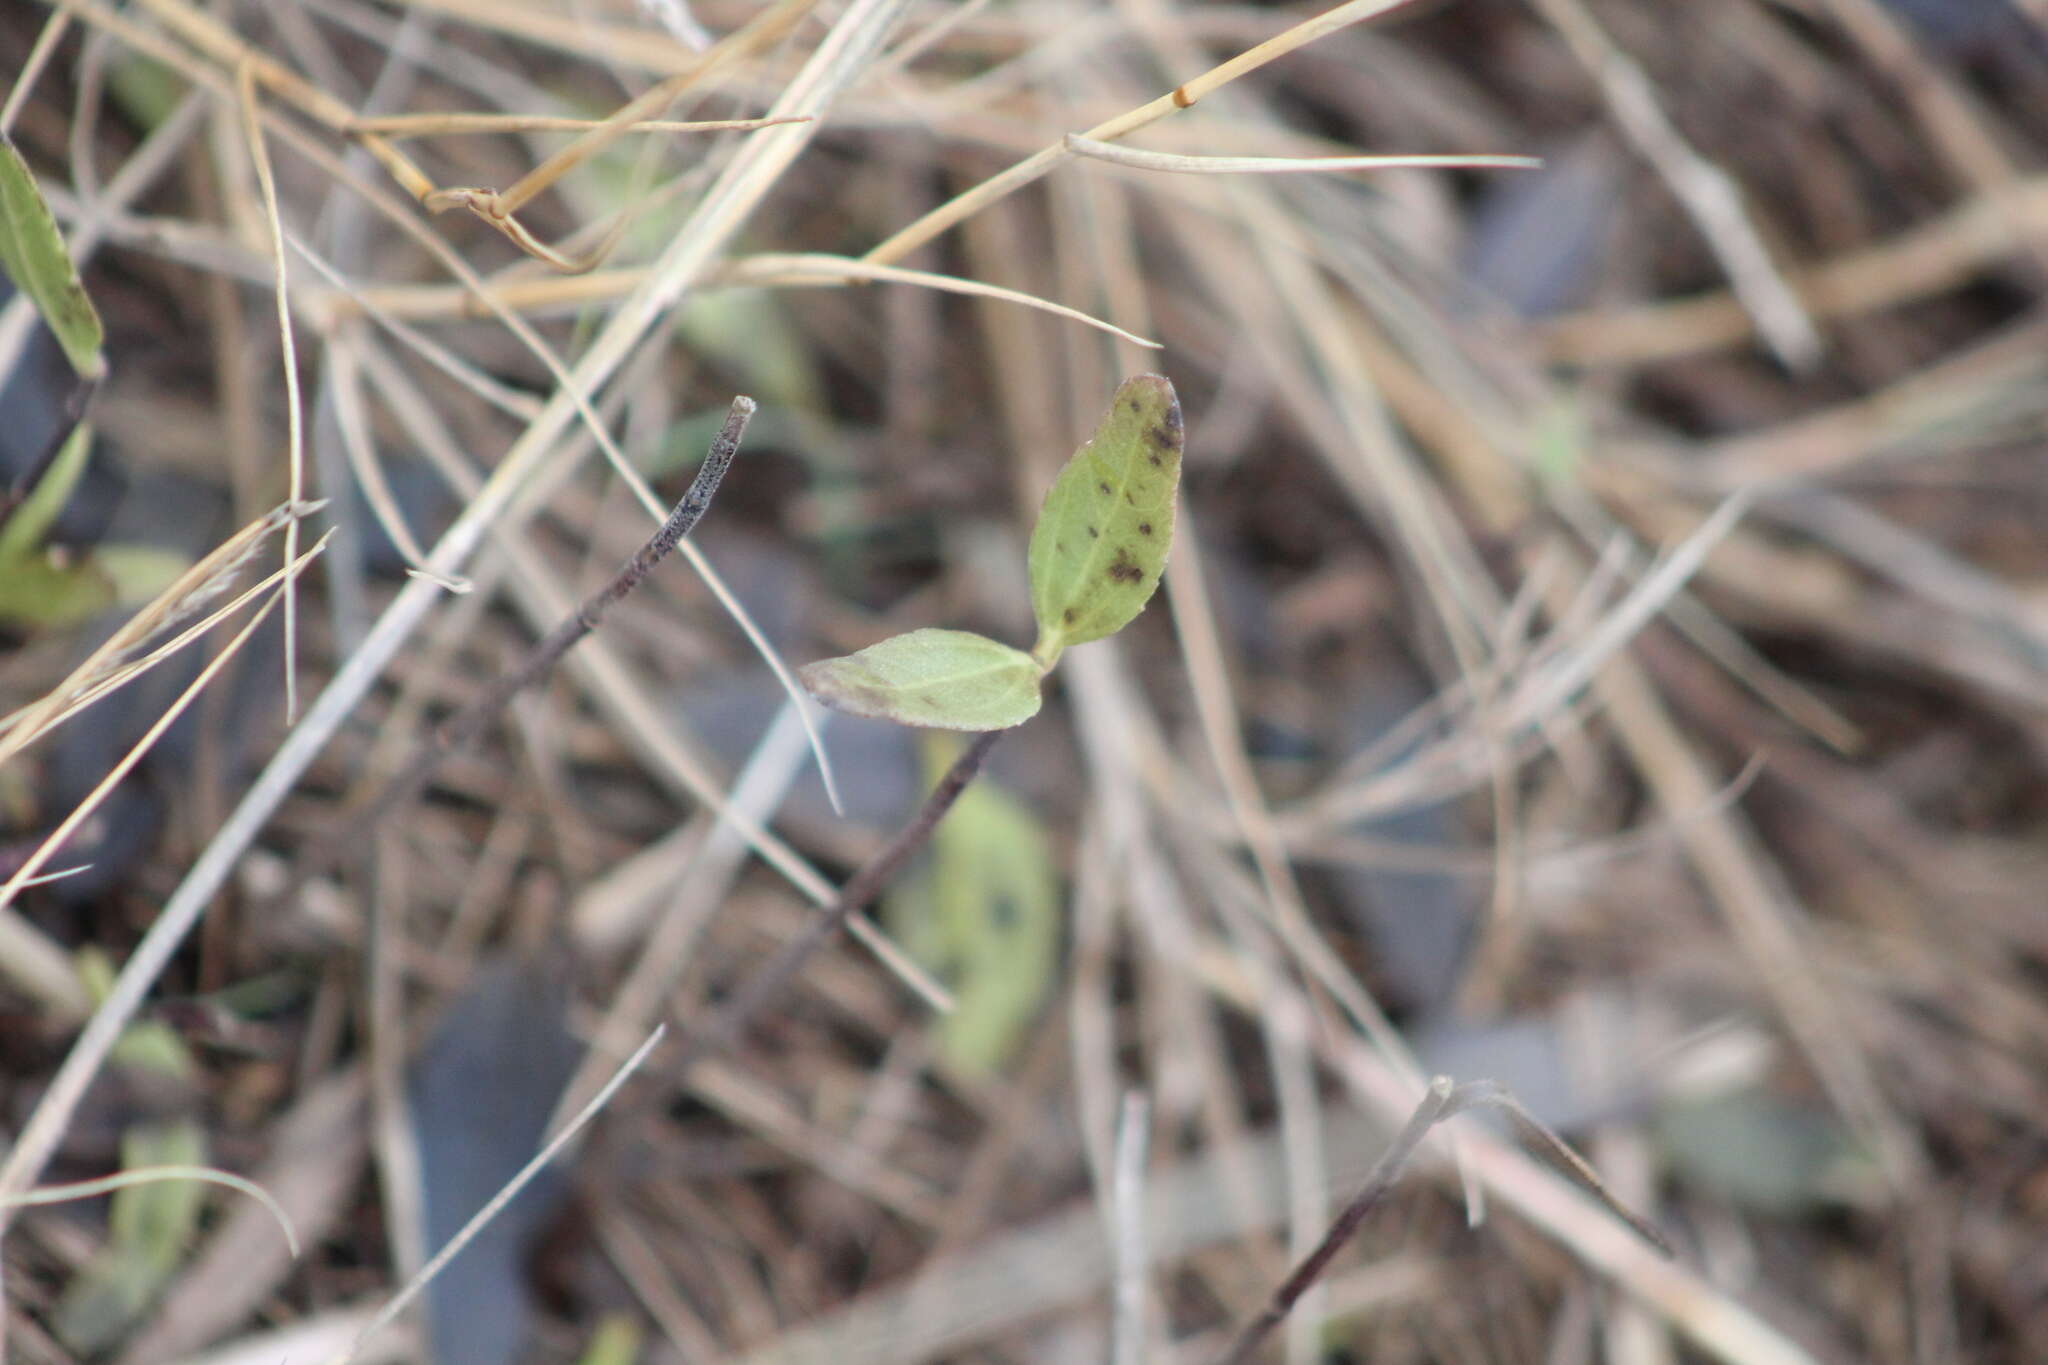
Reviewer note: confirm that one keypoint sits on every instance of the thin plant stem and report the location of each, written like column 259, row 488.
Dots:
column 878, row 872
column 466, row 724
column 1442, row 1101
column 1384, row 1173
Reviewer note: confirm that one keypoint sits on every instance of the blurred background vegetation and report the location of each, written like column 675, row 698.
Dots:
column 1604, row 651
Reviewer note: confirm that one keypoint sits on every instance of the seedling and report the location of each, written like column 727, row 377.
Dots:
column 1096, row 555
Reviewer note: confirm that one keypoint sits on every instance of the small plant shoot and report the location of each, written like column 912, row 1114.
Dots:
column 1096, row 555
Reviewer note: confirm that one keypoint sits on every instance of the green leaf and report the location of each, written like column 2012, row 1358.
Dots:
column 985, row 918
column 148, row 1225
column 952, row 679
column 31, row 521
column 1762, row 1151
column 148, row 1228
column 140, row 572
column 1101, row 539
column 145, row 89
column 1558, row 455
column 749, row 332
column 45, row 593
column 32, row 255
column 617, row 1341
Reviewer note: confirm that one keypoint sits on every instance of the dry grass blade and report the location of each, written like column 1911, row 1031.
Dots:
column 1482, row 738
column 399, row 126
column 497, row 208
column 145, row 1175
column 688, row 254
column 1709, row 194
column 488, row 705
column 1183, row 96
column 1435, row 1107
column 876, row 875
column 47, row 38
column 1443, row 1100
column 45, row 1125
column 819, row 269
column 118, row 672
column 1179, row 163
column 295, row 441
column 1548, row 690
column 418, row 1283
column 41, row 969
column 1127, row 1204
column 189, row 593
column 354, row 424
column 1923, row 262
column 635, row 48
column 571, row 391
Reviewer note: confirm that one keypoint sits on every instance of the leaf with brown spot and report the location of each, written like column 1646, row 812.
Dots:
column 947, row 679
column 1120, row 484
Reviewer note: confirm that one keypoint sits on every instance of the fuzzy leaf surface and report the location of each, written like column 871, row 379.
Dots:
column 1101, row 539
column 948, row 679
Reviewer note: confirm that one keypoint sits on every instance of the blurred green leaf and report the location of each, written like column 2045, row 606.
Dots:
column 616, row 1341
column 45, row 593
column 32, row 519
column 145, row 89
column 1759, row 1151
column 1560, row 443
column 154, row 1048
column 951, row 679
column 44, row 590
column 985, row 918
column 33, row 256
column 748, row 332
column 1101, row 540
column 149, row 1227
column 140, row 572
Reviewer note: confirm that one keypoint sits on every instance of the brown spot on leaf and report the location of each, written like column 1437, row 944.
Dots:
column 1093, row 534
column 864, row 700
column 1144, row 528
column 1165, row 436
column 1103, row 486
column 1067, row 617
column 1124, row 569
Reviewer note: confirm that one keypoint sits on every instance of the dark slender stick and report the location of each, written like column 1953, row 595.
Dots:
column 466, row 724
column 1442, row 1101
column 458, row 729
column 1384, row 1173
column 744, row 1003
